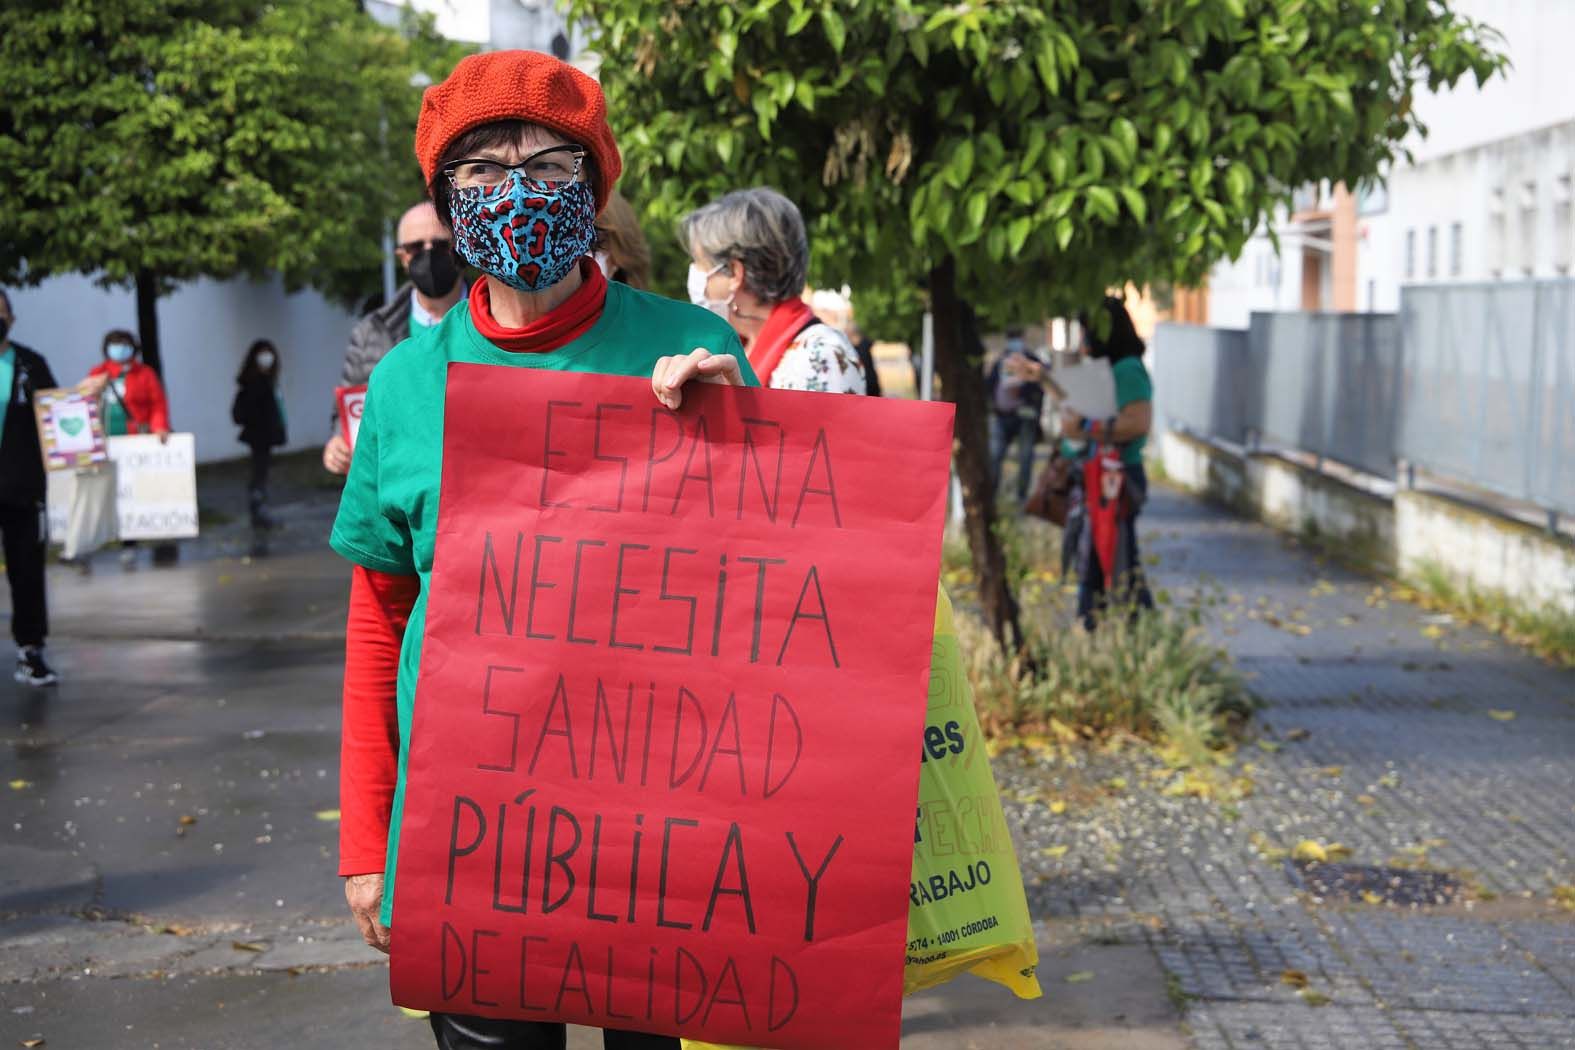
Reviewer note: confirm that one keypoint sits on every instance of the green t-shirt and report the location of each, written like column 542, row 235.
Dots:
column 388, row 514
column 1132, row 384
column 7, row 374
column 116, row 421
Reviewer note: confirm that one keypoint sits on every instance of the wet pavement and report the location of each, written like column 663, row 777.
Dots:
column 168, row 816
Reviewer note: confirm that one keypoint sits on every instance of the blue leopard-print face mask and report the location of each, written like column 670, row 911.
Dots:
column 527, row 240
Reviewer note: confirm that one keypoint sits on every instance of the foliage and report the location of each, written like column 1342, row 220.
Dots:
column 1155, row 675
column 188, row 138
column 1152, row 674
column 1077, row 145
column 1546, row 629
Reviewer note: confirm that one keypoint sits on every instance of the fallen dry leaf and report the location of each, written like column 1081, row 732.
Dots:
column 1366, row 800
column 1332, row 771
column 1501, row 716
column 1372, row 898
column 1080, row 977
column 20, row 785
column 1312, row 998
column 30, row 1043
column 1297, row 734
column 250, row 946
column 186, row 819
column 1294, row 978
column 415, row 1015
column 1432, row 631
column 1054, row 852
column 1311, row 850
column 1268, row 745
column 1564, row 897
column 327, row 814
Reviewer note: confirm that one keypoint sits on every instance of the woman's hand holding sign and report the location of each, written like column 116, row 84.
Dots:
column 671, row 373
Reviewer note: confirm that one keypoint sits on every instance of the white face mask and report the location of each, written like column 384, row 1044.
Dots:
column 698, row 279
column 265, row 360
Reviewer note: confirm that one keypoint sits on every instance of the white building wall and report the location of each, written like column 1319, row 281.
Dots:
column 1536, row 92
column 205, row 328
column 1499, row 211
column 1498, row 161
column 1259, row 280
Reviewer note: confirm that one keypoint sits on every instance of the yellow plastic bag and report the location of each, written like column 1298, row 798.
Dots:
column 967, row 911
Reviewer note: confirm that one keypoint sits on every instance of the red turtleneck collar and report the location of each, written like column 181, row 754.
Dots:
column 566, row 323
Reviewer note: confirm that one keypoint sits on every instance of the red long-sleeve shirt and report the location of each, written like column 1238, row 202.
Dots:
column 380, row 605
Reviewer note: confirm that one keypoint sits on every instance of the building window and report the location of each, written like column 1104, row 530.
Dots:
column 1457, row 236
column 1498, row 233
column 1528, row 227
column 1372, row 198
column 1563, row 225
column 1410, row 254
column 1432, row 251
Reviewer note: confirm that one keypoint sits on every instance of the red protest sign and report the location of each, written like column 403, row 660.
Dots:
column 352, row 400
column 663, row 763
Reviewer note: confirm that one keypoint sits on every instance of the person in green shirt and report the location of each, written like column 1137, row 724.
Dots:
column 519, row 160
column 1114, row 338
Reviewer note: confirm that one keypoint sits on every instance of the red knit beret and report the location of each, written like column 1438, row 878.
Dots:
column 518, row 85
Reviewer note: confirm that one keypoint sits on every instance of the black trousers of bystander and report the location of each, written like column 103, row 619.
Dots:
column 22, row 530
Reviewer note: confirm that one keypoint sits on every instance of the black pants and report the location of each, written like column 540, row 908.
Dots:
column 459, row 1032
column 21, row 527
column 257, row 490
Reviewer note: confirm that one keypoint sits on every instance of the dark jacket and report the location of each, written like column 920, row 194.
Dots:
column 21, row 458
column 256, row 412
column 375, row 335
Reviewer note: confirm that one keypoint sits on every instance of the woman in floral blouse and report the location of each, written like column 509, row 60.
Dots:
column 750, row 255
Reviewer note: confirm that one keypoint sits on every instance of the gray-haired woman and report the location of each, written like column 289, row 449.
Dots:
column 750, row 255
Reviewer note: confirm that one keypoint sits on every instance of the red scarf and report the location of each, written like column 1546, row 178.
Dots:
column 564, row 324
column 786, row 321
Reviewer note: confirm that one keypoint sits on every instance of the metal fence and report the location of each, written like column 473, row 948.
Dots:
column 1489, row 394
column 1328, row 384
column 1199, row 380
column 1470, row 382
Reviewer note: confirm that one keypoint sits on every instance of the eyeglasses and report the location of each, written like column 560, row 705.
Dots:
column 436, row 244
column 544, row 172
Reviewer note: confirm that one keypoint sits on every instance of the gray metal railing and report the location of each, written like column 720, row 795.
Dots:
column 1327, row 384
column 1199, row 376
column 1474, row 383
column 1489, row 390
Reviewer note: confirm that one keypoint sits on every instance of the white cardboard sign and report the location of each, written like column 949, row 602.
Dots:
column 156, row 488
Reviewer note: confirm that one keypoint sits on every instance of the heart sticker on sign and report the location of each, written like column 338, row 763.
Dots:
column 72, row 425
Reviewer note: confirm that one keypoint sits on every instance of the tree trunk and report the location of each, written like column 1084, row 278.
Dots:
column 148, row 319
column 958, row 359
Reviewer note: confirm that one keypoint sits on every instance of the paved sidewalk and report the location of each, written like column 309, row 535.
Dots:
column 1412, row 741
column 207, row 691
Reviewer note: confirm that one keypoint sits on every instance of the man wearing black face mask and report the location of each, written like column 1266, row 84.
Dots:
column 426, row 251
column 22, row 373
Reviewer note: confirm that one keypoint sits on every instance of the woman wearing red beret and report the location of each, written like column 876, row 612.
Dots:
column 519, row 161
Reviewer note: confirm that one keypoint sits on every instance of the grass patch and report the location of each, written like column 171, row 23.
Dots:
column 1151, row 674
column 1547, row 630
